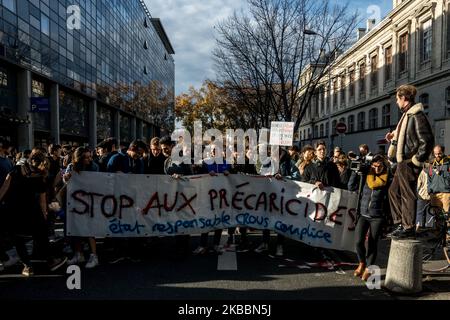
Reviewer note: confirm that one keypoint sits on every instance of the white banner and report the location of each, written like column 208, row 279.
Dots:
column 121, row 205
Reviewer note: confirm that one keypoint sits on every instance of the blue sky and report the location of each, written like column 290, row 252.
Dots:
column 190, row 27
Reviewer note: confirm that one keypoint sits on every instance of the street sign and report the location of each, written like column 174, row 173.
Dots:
column 341, row 127
column 39, row 104
column 281, row 133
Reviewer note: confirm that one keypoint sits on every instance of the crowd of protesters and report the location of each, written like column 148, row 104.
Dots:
column 33, row 182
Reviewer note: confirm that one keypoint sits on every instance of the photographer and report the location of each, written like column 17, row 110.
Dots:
column 371, row 214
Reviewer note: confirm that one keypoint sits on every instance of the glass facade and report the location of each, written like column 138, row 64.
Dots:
column 115, row 56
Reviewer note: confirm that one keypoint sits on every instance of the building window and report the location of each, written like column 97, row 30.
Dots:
column 386, row 115
column 327, row 129
column 45, row 25
column 373, row 118
column 10, row 4
column 321, row 130
column 447, row 97
column 427, row 35
column 322, row 100
column 352, row 83
column 388, row 64
column 333, row 126
column 316, row 131
column 74, row 119
column 403, row 53
column 125, row 129
column 315, row 102
column 361, row 121
column 342, row 90
column 425, row 100
column 374, row 74
column 362, row 80
column 3, row 79
column 104, row 121
column 309, row 133
column 351, row 123
column 335, row 94
column 448, row 31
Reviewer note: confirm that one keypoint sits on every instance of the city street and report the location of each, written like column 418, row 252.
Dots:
column 162, row 276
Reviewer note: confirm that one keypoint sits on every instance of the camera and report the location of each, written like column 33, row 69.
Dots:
column 361, row 164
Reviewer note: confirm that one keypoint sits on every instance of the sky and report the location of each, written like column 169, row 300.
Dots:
column 189, row 25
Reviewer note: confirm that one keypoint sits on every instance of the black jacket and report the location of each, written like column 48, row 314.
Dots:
column 323, row 171
column 413, row 139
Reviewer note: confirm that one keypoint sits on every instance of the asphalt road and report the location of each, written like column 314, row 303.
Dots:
column 303, row 273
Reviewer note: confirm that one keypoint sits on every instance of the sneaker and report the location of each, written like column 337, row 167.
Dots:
column 396, row 230
column 262, row 247
column 57, row 263
column 11, row 261
column 199, row 251
column 93, row 261
column 279, row 252
column 1, row 267
column 404, row 234
column 77, row 259
column 27, row 271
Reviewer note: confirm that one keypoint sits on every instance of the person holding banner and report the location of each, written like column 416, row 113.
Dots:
column 371, row 218
column 82, row 160
column 323, row 173
column 213, row 169
column 177, row 171
column 288, row 170
column 129, row 161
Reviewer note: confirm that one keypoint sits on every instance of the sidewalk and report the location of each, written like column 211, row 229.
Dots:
column 436, row 286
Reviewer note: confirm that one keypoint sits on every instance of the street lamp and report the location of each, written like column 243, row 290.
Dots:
column 313, row 33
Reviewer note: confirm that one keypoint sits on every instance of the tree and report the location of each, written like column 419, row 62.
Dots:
column 260, row 56
column 213, row 106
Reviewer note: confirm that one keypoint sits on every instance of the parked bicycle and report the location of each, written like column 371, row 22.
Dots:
column 434, row 238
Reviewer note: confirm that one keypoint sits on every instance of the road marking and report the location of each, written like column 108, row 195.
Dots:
column 227, row 260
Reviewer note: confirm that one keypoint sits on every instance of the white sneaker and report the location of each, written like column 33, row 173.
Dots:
column 279, row 252
column 262, row 247
column 93, row 261
column 77, row 258
column 13, row 260
column 1, row 267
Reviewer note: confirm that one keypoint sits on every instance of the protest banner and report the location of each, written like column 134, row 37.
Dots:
column 121, row 205
column 281, row 133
